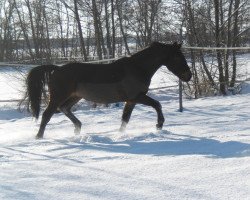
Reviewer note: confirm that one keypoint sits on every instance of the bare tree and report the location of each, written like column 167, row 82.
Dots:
column 82, row 44
column 108, row 35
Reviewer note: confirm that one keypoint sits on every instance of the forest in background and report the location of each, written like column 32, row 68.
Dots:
column 45, row 31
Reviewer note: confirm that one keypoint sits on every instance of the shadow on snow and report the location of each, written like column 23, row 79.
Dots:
column 161, row 144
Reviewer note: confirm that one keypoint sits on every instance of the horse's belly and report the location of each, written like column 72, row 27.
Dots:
column 127, row 89
column 101, row 93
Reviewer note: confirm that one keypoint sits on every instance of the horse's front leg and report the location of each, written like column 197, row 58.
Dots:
column 127, row 111
column 146, row 100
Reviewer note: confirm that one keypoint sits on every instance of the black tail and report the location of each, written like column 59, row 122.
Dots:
column 36, row 81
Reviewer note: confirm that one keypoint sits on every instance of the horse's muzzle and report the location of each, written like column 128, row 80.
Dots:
column 186, row 76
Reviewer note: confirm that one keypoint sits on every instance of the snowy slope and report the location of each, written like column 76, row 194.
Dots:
column 202, row 153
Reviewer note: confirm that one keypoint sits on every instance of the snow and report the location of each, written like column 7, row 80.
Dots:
column 202, row 153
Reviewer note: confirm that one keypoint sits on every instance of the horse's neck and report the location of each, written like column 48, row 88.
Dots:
column 148, row 63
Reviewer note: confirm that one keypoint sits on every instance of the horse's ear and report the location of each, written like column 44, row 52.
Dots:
column 176, row 45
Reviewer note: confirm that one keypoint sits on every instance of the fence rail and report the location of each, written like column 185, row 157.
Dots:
column 10, row 100
column 216, row 48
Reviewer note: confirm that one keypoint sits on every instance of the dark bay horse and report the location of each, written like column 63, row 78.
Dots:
column 125, row 80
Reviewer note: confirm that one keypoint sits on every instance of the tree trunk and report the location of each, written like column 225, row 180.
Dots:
column 108, row 38
column 34, row 38
column 63, row 51
column 218, row 53
column 229, row 42
column 97, row 30
column 25, row 35
column 47, row 36
column 83, row 50
column 113, row 28
column 124, row 35
column 235, row 33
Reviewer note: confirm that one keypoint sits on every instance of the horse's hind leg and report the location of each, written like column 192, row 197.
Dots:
column 127, row 111
column 50, row 110
column 54, row 103
column 146, row 100
column 66, row 109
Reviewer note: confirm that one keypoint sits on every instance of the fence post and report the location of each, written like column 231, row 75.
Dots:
column 180, row 83
column 180, row 96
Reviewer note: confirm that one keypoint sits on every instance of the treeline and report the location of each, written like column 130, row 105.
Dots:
column 42, row 30
column 87, row 28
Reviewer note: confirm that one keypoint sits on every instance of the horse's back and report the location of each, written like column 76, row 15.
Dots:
column 94, row 73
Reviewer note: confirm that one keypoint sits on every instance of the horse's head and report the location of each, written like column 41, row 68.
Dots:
column 176, row 62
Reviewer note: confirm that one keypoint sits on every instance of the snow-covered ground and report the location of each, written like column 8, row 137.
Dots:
column 202, row 153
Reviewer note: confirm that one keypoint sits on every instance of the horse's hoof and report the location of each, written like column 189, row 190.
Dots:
column 159, row 126
column 38, row 137
column 123, row 126
column 77, row 131
column 122, row 129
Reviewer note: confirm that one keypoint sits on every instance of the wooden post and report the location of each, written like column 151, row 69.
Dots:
column 180, row 83
column 180, row 96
